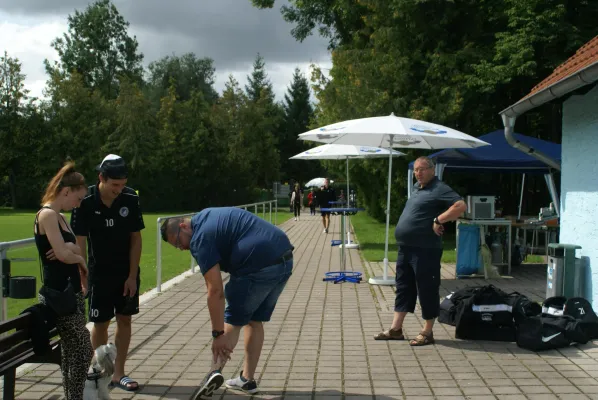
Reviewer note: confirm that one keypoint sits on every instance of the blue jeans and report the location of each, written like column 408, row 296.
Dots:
column 253, row 297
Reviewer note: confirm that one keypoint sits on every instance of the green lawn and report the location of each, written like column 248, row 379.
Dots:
column 370, row 235
column 15, row 225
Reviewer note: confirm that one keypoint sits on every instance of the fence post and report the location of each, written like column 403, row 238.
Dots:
column 158, row 258
column 275, row 211
column 3, row 303
column 270, row 208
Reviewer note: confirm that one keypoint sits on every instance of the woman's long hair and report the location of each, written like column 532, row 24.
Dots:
column 66, row 177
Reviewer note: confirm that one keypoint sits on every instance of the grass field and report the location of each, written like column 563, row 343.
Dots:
column 15, row 225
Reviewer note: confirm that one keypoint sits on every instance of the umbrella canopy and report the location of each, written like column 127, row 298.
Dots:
column 317, row 182
column 389, row 132
column 392, row 131
column 344, row 151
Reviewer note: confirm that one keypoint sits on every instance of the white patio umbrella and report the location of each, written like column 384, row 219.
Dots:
column 390, row 132
column 345, row 152
column 317, row 182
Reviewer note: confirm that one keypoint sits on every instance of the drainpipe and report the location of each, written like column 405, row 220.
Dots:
column 583, row 77
column 509, row 123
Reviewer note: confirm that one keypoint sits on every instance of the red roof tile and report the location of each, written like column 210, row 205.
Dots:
column 585, row 56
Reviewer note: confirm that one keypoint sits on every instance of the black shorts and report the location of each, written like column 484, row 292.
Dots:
column 106, row 298
column 325, row 213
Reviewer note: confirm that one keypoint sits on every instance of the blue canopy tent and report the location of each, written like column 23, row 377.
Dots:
column 500, row 156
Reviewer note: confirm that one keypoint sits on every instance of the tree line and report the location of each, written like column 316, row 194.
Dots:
column 187, row 146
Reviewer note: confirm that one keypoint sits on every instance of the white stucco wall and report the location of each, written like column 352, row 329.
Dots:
column 579, row 183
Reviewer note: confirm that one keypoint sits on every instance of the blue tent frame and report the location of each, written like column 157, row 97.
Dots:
column 500, row 156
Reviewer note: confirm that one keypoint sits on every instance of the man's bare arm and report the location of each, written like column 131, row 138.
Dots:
column 453, row 213
column 134, row 254
column 216, row 303
column 82, row 242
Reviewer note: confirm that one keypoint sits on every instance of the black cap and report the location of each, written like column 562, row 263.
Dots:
column 113, row 166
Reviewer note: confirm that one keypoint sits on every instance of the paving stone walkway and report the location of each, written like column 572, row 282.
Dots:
column 320, row 343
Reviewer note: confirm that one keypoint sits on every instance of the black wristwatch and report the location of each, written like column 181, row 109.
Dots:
column 436, row 221
column 215, row 334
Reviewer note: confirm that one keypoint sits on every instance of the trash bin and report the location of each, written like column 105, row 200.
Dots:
column 564, row 273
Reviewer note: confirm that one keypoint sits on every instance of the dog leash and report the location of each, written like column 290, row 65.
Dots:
column 94, row 376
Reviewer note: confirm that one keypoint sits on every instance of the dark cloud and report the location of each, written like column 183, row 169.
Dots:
column 231, row 32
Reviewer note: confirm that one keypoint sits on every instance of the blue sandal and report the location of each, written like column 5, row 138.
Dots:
column 127, row 384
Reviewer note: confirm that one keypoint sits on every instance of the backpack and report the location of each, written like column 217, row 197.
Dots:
column 585, row 327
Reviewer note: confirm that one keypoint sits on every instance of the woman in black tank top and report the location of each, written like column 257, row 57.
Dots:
column 62, row 264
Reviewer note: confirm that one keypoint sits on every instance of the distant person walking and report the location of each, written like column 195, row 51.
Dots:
column 325, row 196
column 311, row 202
column 297, row 201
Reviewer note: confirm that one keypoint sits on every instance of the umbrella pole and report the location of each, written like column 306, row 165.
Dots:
column 384, row 279
column 348, row 244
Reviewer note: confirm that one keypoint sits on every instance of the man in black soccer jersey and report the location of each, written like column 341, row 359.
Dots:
column 109, row 221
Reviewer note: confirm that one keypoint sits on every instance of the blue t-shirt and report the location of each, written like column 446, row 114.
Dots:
column 238, row 240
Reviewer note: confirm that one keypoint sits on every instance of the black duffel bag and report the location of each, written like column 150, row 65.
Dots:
column 452, row 302
column 487, row 315
column 562, row 322
column 544, row 332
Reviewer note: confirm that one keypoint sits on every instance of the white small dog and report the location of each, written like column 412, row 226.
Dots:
column 100, row 373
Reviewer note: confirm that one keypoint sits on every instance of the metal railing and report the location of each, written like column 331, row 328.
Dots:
column 5, row 265
column 271, row 204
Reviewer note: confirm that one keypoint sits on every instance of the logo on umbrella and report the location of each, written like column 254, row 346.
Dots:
column 315, row 151
column 426, row 129
column 369, row 150
column 338, row 128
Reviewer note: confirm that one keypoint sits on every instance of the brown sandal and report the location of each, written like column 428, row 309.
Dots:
column 422, row 339
column 390, row 334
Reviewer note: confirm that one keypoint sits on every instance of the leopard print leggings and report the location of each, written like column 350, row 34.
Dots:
column 76, row 350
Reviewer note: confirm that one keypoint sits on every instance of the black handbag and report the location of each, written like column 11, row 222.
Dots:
column 63, row 303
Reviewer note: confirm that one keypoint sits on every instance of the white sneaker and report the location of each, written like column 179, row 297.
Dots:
column 295, row 218
column 241, row 383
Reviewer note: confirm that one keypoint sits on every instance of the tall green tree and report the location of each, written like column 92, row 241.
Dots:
column 135, row 136
column 13, row 107
column 298, row 114
column 188, row 73
column 258, row 81
column 81, row 121
column 98, row 47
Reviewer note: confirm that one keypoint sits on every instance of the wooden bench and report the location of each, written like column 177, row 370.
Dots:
column 16, row 349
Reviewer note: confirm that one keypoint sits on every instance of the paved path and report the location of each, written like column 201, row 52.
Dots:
column 320, row 343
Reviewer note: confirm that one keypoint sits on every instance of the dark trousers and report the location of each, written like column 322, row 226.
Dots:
column 297, row 209
column 418, row 273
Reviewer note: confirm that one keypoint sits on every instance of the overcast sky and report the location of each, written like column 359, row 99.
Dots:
column 231, row 32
